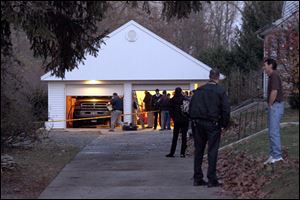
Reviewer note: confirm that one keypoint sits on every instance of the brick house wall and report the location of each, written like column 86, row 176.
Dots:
column 279, row 42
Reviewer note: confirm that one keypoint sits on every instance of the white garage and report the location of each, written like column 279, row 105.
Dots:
column 133, row 59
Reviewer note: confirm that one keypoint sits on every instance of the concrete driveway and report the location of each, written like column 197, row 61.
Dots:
column 128, row 166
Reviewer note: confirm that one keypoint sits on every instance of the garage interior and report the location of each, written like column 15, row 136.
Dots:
column 140, row 97
column 87, row 107
column 95, row 106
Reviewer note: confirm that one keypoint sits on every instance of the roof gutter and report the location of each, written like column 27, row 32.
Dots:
column 259, row 37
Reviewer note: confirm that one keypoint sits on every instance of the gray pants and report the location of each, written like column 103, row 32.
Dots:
column 150, row 119
column 115, row 118
column 165, row 119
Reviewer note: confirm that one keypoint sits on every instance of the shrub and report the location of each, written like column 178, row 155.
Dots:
column 294, row 100
column 38, row 100
column 22, row 113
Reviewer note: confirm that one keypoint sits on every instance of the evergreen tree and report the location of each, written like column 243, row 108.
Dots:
column 63, row 32
column 219, row 57
column 256, row 14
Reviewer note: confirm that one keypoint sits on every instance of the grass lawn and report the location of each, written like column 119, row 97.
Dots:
column 290, row 115
column 286, row 185
column 37, row 167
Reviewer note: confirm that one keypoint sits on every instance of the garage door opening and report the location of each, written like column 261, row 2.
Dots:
column 140, row 95
column 80, row 107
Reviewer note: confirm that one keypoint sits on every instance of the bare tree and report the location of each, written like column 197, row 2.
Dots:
column 189, row 34
column 220, row 18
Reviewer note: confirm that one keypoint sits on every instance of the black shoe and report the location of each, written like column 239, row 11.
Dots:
column 170, row 156
column 154, row 128
column 182, row 156
column 200, row 183
column 214, row 184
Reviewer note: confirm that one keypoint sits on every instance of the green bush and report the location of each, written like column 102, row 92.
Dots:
column 22, row 114
column 38, row 100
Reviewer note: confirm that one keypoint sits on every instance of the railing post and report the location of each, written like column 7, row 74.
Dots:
column 262, row 115
column 245, row 127
column 257, row 106
column 240, row 124
column 251, row 118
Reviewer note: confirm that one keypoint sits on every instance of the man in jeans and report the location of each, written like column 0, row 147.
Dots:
column 117, row 107
column 164, row 106
column 275, row 110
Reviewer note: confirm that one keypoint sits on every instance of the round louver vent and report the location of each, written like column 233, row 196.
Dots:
column 131, row 36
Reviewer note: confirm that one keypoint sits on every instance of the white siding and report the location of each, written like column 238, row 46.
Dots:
column 127, row 102
column 289, row 7
column 56, row 104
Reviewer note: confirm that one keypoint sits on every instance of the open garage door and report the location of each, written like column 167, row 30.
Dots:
column 88, row 101
column 161, row 87
column 139, row 90
column 93, row 90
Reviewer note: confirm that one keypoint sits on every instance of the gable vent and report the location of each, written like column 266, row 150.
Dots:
column 131, row 36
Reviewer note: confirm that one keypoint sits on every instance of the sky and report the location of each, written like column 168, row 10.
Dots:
column 238, row 21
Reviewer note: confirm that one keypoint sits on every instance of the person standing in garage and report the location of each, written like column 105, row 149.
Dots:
column 164, row 106
column 117, row 108
column 155, row 107
column 147, row 102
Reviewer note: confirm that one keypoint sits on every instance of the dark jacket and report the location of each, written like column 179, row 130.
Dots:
column 147, row 101
column 155, row 102
column 210, row 102
column 117, row 103
column 175, row 109
column 164, row 103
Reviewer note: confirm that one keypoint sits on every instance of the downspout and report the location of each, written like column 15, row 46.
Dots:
column 264, row 82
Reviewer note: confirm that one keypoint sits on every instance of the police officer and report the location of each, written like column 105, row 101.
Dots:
column 210, row 113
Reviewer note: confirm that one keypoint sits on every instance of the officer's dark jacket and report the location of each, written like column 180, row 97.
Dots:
column 175, row 109
column 155, row 101
column 210, row 102
column 147, row 101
